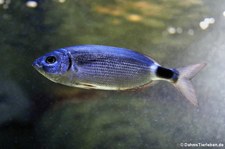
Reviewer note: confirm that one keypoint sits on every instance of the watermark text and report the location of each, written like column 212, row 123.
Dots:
column 201, row 145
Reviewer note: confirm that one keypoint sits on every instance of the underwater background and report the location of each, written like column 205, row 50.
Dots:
column 37, row 113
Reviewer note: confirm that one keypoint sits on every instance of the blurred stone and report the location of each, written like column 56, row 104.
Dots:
column 14, row 105
column 109, row 123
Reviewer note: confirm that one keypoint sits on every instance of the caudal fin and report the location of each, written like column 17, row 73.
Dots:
column 184, row 85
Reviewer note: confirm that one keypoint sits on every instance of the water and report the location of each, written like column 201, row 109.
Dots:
column 37, row 113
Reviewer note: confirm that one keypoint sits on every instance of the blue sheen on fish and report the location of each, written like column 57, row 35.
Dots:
column 112, row 68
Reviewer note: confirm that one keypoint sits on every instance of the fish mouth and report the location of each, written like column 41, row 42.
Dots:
column 36, row 65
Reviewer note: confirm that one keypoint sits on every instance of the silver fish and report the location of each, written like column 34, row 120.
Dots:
column 112, row 68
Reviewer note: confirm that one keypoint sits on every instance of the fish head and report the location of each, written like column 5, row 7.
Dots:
column 53, row 65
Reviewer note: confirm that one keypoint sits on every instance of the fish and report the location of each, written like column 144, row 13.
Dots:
column 112, row 68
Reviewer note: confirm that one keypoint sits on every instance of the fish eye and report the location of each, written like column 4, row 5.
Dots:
column 50, row 59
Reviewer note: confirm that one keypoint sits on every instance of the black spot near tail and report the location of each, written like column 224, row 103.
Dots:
column 164, row 73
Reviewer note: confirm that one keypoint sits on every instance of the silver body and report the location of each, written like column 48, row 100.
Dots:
column 108, row 68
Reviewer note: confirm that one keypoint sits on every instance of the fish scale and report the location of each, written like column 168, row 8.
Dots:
column 112, row 69
column 115, row 72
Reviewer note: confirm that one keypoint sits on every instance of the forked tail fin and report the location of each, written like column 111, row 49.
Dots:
column 184, row 85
